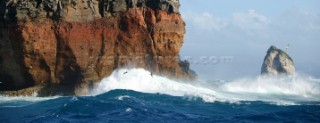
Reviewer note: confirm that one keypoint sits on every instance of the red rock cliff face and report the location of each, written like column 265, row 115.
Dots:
column 76, row 43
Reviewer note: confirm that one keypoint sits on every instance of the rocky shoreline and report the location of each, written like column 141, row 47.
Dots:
column 70, row 45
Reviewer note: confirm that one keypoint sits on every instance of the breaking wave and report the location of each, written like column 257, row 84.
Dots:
column 282, row 91
column 138, row 97
column 298, row 90
column 7, row 101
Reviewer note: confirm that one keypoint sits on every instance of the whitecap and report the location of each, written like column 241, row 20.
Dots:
column 122, row 97
column 128, row 110
column 279, row 91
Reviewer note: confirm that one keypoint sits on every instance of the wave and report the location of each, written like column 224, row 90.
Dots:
column 6, row 101
column 140, row 80
column 133, row 106
column 281, row 91
column 297, row 90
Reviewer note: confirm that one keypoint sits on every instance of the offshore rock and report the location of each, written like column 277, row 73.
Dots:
column 277, row 63
column 73, row 44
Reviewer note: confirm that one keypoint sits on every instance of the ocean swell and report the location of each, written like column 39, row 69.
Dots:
column 282, row 91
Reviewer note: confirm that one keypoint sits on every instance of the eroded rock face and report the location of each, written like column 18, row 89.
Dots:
column 75, row 43
column 277, row 63
column 78, row 10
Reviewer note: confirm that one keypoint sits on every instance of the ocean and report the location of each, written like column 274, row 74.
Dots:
column 138, row 97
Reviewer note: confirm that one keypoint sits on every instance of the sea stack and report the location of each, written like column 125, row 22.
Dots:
column 70, row 45
column 277, row 63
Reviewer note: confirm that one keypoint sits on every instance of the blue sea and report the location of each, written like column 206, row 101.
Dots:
column 138, row 97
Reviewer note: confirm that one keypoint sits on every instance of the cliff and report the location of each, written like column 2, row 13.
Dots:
column 73, row 44
column 277, row 63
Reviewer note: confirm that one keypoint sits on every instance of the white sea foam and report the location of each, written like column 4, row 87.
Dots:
column 280, row 91
column 123, row 97
column 140, row 80
column 129, row 110
column 7, row 101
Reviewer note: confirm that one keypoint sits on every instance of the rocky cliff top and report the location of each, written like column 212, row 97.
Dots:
column 77, row 10
column 277, row 62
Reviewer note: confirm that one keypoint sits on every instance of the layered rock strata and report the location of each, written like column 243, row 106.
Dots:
column 76, row 43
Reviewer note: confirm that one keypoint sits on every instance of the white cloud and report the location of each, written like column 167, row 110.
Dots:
column 250, row 20
column 253, row 23
column 295, row 19
column 205, row 21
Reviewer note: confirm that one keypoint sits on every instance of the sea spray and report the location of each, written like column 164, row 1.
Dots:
column 140, row 80
column 138, row 97
column 282, row 90
column 296, row 86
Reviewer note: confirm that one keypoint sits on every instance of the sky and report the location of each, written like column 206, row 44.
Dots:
column 228, row 39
